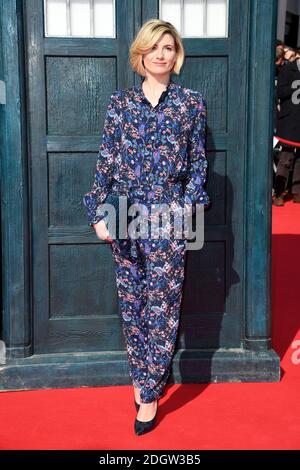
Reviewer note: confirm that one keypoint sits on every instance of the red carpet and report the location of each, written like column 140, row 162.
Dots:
column 214, row 416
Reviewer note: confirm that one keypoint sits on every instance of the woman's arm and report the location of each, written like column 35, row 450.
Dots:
column 197, row 163
column 108, row 149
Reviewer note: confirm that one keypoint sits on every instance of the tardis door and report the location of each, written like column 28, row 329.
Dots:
column 69, row 82
column 74, row 299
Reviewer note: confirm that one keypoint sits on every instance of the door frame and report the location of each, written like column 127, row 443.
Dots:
column 15, row 222
column 258, row 361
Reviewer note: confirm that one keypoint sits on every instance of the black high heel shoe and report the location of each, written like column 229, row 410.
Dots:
column 141, row 427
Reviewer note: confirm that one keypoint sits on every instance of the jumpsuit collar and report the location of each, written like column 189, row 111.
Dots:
column 140, row 91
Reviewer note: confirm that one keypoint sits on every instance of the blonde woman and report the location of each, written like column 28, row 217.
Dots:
column 153, row 151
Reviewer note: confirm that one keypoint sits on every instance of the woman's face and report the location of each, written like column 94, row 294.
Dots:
column 162, row 57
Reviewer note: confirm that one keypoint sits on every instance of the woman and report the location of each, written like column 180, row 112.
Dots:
column 153, row 149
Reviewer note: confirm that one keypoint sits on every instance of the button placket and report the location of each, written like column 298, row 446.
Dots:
column 152, row 117
column 154, row 143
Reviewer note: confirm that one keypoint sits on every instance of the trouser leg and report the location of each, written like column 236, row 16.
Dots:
column 296, row 173
column 165, row 261
column 286, row 157
column 132, row 294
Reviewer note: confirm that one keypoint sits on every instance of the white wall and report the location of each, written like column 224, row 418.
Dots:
column 282, row 6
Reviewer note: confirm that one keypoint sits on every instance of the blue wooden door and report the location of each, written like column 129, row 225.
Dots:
column 69, row 81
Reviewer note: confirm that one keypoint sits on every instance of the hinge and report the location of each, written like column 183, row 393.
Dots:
column 2, row 353
column 2, row 92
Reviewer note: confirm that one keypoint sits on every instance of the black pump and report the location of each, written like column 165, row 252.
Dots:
column 141, row 427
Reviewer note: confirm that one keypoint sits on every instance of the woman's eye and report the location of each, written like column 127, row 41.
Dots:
column 169, row 48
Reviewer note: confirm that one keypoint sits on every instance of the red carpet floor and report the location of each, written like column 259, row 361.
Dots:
column 213, row 416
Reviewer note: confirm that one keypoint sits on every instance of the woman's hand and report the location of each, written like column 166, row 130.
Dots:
column 101, row 231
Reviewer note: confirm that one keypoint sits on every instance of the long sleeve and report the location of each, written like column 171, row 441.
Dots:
column 108, row 150
column 197, row 163
column 284, row 85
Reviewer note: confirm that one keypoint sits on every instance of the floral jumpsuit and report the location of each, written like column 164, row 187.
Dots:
column 154, row 154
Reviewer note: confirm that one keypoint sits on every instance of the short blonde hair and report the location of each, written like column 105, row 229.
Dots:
column 145, row 39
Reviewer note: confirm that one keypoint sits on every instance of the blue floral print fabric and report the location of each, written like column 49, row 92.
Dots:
column 150, row 293
column 154, row 154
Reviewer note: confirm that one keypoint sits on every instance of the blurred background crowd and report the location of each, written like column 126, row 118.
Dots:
column 286, row 148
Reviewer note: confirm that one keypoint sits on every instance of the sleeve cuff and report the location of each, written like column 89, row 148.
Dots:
column 96, row 219
column 202, row 199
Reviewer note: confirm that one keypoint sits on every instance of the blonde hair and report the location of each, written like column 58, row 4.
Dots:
column 145, row 39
